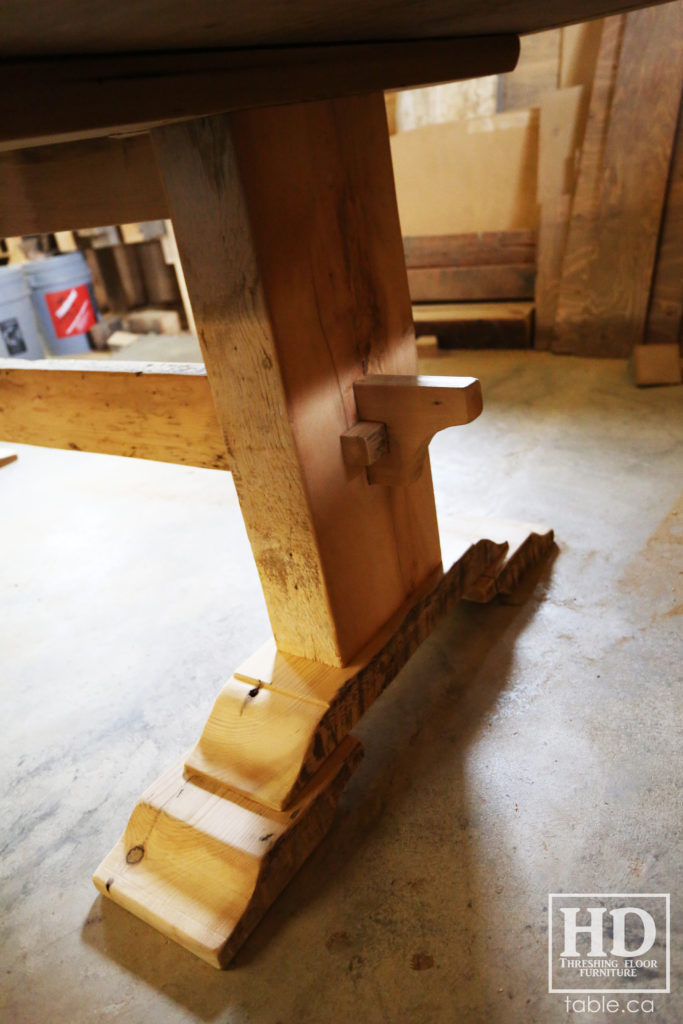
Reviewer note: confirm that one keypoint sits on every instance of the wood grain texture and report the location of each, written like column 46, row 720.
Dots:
column 472, row 284
column 665, row 315
column 280, row 716
column 579, row 48
column 610, row 251
column 413, row 409
column 105, row 93
column 578, row 245
column 477, row 324
column 41, row 27
column 553, row 228
column 563, row 115
column 78, row 185
column 562, row 122
column 526, row 545
column 476, row 249
column 146, row 411
column 202, row 865
column 364, row 443
column 287, row 227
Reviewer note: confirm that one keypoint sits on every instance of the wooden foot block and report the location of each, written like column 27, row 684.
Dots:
column 526, row 544
column 279, row 717
column 657, row 364
column 213, row 842
column 202, row 865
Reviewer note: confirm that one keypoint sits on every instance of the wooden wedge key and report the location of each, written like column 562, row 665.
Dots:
column 413, row 409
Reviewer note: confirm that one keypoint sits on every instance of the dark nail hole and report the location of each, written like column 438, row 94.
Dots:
column 254, row 692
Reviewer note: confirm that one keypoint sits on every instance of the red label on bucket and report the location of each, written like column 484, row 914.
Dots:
column 71, row 311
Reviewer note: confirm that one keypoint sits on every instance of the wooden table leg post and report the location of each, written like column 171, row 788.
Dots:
column 288, row 231
column 289, row 236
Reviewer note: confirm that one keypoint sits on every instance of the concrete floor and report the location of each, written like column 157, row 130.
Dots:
column 529, row 747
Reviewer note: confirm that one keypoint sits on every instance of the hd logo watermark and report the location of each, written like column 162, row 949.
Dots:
column 608, row 942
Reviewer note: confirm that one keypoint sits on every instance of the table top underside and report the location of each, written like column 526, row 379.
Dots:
column 46, row 28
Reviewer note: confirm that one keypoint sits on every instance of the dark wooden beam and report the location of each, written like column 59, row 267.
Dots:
column 79, row 185
column 45, row 100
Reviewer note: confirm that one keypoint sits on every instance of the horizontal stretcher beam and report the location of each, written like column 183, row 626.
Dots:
column 165, row 411
column 161, row 411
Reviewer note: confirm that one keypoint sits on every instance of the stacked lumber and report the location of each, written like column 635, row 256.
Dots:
column 609, row 188
column 473, row 290
column 475, row 324
column 474, row 267
column 133, row 265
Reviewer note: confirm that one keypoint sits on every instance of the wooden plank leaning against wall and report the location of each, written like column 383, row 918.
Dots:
column 665, row 315
column 617, row 206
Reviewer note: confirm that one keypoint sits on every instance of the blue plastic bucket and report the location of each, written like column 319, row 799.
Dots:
column 63, row 298
column 19, row 333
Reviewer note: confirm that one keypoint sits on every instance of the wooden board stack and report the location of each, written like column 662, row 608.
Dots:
column 473, row 290
column 610, row 246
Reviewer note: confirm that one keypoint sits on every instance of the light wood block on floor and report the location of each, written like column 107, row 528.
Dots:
column 202, row 865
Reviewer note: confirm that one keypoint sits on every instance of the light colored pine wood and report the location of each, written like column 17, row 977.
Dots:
column 79, row 185
column 657, row 364
column 280, row 716
column 202, row 865
column 298, row 291
column 468, row 176
column 212, row 843
column 144, row 410
column 136, row 91
column 364, row 443
column 172, row 256
column 66, row 241
column 413, row 409
column 256, row 740
column 610, row 251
